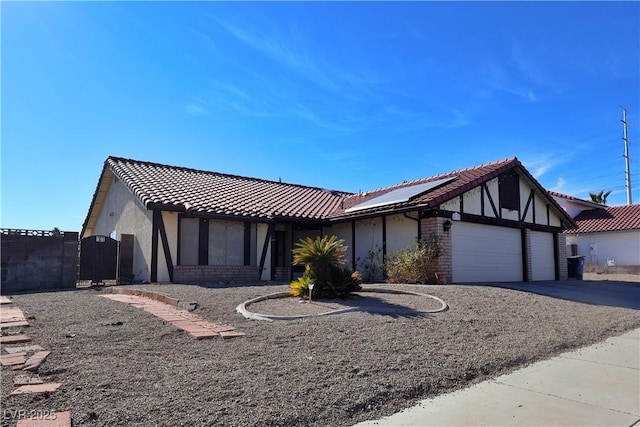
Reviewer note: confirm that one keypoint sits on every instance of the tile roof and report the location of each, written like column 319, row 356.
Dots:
column 576, row 199
column 208, row 193
column 178, row 188
column 465, row 179
column 611, row 218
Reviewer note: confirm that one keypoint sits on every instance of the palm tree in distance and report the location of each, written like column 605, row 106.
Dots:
column 600, row 198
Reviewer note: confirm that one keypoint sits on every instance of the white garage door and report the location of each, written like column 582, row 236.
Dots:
column 485, row 253
column 542, row 258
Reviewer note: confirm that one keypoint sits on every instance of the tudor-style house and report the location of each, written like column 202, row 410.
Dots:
column 496, row 223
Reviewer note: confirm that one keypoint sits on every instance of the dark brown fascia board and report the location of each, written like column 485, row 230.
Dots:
column 386, row 212
column 245, row 218
column 479, row 219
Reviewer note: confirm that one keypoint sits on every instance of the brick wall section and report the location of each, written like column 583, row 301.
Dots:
column 431, row 226
column 527, row 244
column 202, row 274
column 562, row 257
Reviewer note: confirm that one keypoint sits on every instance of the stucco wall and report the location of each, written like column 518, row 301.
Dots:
column 342, row 231
column 402, row 232
column 123, row 214
column 622, row 246
column 369, row 247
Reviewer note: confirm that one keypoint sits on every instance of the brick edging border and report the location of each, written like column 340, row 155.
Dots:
column 156, row 297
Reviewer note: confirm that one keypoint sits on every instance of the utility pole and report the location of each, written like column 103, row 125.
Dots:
column 627, row 175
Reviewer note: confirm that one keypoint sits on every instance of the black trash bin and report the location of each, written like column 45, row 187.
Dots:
column 575, row 266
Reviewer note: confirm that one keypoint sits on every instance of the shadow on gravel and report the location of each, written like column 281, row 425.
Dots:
column 380, row 306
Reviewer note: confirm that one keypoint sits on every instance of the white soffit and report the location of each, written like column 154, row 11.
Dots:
column 400, row 195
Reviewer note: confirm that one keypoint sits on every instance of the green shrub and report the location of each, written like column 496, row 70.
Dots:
column 415, row 264
column 323, row 259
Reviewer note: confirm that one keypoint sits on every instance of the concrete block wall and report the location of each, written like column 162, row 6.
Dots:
column 34, row 260
column 202, row 274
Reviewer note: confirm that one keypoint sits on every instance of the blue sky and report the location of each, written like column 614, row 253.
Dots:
column 341, row 95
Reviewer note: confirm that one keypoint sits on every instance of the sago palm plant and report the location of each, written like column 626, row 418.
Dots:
column 324, row 259
column 320, row 253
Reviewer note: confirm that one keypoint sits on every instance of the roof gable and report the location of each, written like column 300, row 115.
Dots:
column 612, row 218
column 454, row 184
column 206, row 193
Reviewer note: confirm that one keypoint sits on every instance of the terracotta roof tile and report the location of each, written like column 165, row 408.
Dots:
column 211, row 193
column 465, row 179
column 611, row 218
column 216, row 193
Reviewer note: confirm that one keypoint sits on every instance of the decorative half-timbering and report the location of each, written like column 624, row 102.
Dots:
column 495, row 222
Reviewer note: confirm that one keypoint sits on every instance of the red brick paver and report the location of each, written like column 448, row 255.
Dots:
column 193, row 324
column 14, row 339
column 13, row 359
column 57, row 419
column 34, row 362
column 22, row 349
column 36, row 388
column 4, row 325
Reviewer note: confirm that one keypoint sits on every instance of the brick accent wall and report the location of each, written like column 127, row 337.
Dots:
column 429, row 226
column 562, row 257
column 527, row 248
column 202, row 274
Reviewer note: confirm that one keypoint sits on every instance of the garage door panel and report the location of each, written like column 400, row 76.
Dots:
column 542, row 256
column 484, row 253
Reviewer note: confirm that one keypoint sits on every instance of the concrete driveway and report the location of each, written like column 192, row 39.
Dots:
column 615, row 294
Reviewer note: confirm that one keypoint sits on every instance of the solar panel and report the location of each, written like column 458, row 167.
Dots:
column 400, row 195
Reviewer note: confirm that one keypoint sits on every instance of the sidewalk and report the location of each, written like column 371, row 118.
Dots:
column 593, row 386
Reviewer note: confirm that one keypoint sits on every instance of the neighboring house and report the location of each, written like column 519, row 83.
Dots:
column 609, row 236
column 606, row 235
column 495, row 222
column 573, row 205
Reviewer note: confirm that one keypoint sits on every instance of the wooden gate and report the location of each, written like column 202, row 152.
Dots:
column 98, row 259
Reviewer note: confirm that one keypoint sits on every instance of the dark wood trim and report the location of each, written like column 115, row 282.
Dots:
column 179, row 238
column 247, row 243
column 154, row 247
column 556, row 255
column 533, row 210
column 491, row 202
column 548, row 216
column 526, row 207
column 165, row 244
column 482, row 199
column 265, row 246
column 384, row 245
column 525, row 255
column 203, row 242
column 353, row 245
column 462, row 203
column 478, row 219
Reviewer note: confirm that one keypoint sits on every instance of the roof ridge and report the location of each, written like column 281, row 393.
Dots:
column 440, row 176
column 570, row 197
column 224, row 174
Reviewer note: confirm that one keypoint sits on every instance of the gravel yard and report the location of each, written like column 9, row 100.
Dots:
column 333, row 370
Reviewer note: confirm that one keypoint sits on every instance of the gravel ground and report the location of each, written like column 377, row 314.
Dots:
column 333, row 370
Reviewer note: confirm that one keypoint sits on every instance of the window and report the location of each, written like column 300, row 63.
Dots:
column 509, row 185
